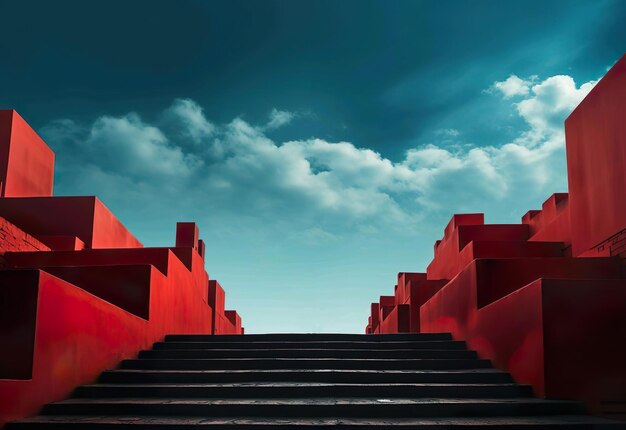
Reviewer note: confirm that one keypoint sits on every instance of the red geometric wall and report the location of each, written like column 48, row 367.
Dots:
column 78, row 292
column 26, row 162
column 596, row 159
column 544, row 299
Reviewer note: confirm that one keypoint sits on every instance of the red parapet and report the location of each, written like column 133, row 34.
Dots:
column 551, row 223
column 85, row 218
column 77, row 334
column 558, row 335
column 187, row 234
column 414, row 290
column 449, row 260
column 235, row 321
column 26, row 162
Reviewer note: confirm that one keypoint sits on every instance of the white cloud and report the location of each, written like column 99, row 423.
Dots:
column 513, row 86
column 448, row 132
column 324, row 188
column 191, row 116
column 279, row 118
column 550, row 103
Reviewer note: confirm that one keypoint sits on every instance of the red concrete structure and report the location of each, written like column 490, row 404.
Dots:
column 544, row 299
column 78, row 292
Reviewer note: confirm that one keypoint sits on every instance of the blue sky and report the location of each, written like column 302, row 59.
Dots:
column 320, row 145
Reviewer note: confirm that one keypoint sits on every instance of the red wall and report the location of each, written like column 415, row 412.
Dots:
column 84, row 217
column 596, row 161
column 14, row 239
column 26, row 162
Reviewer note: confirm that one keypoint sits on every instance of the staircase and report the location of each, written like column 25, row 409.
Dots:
column 309, row 381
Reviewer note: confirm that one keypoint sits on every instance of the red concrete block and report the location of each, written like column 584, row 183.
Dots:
column 77, row 335
column 414, row 289
column 375, row 317
column 187, row 234
column 596, row 162
column 552, row 223
column 62, row 243
column 127, row 287
column 384, row 302
column 462, row 219
column 201, row 248
column 562, row 336
column 158, row 257
column 396, row 319
column 235, row 320
column 217, row 301
column 554, row 205
column 401, row 292
column 26, row 162
column 499, row 277
column 387, row 300
column 84, row 217
column 217, row 297
column 528, row 217
column 459, row 233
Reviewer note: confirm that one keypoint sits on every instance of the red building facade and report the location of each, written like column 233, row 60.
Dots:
column 544, row 299
column 78, row 292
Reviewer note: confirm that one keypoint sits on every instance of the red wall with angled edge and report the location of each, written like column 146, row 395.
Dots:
column 86, row 218
column 26, row 162
column 596, row 161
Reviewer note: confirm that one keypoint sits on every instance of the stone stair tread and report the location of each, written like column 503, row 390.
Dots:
column 315, row 342
column 315, row 401
column 324, row 359
column 559, row 421
column 309, row 349
column 313, row 392
column 349, row 371
column 318, row 336
column 300, row 384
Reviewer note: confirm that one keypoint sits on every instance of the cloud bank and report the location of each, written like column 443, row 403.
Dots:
column 237, row 170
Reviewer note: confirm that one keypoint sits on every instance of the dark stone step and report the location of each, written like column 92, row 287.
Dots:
column 316, row 337
column 302, row 390
column 316, row 407
column 485, row 376
column 303, row 363
column 563, row 422
column 426, row 344
column 307, row 353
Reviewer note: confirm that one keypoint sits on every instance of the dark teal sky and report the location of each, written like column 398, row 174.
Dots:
column 380, row 73
column 164, row 109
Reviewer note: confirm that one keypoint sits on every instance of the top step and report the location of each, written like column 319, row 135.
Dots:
column 287, row 337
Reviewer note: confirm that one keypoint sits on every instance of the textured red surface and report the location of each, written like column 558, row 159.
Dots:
column 14, row 239
column 78, row 292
